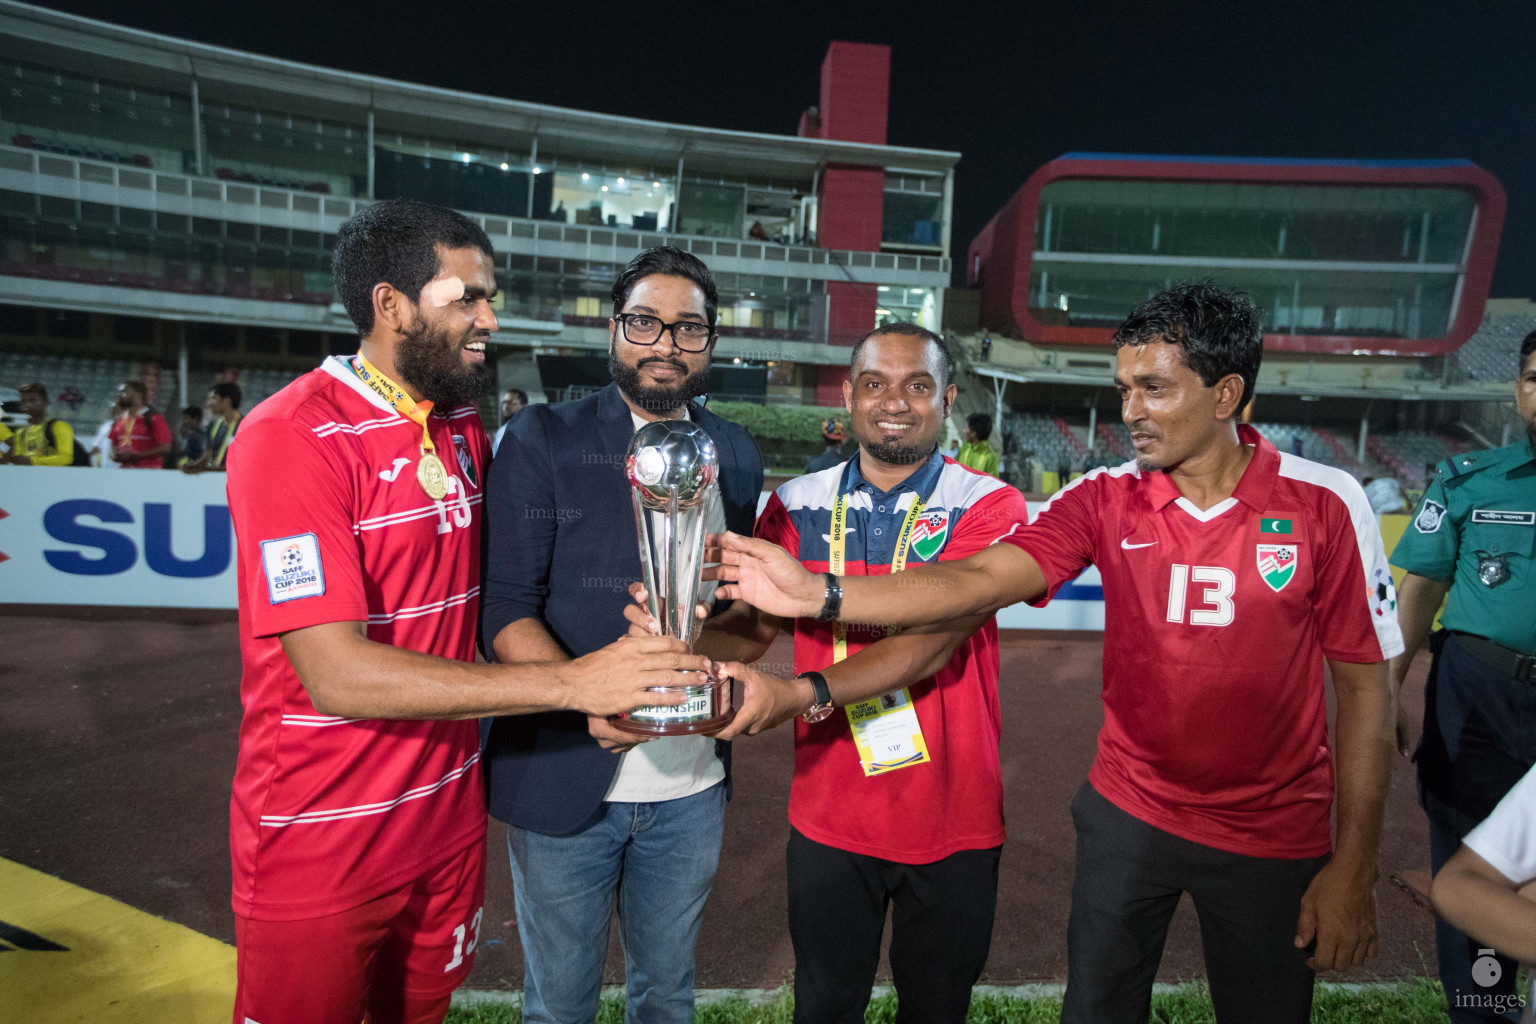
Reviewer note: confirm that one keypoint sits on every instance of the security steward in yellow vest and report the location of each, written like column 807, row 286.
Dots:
column 1474, row 536
column 40, row 441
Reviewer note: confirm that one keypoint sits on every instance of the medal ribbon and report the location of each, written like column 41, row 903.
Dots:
column 398, row 400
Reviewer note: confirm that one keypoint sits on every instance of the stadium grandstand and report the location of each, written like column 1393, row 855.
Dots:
column 168, row 209
column 1383, row 352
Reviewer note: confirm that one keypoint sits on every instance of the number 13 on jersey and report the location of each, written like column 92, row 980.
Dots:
column 1214, row 586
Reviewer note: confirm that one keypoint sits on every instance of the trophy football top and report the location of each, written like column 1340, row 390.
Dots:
column 671, row 454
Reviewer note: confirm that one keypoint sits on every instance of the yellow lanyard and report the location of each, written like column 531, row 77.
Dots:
column 838, row 543
column 396, row 397
column 431, row 474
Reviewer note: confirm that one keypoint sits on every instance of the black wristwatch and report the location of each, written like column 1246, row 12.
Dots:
column 821, row 707
column 833, row 602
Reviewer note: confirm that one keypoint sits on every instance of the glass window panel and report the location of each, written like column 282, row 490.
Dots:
column 1243, row 221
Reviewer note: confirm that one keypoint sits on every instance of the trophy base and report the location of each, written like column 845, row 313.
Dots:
column 708, row 708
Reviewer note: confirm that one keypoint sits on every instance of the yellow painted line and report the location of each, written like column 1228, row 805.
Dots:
column 122, row 965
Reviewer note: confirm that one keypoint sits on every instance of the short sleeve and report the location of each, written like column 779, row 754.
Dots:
column 161, row 430
column 1061, row 539
column 1429, row 545
column 1354, row 601
column 1507, row 838
column 774, row 525
column 994, row 517
column 292, row 507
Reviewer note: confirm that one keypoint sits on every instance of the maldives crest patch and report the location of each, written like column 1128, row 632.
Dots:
column 467, row 464
column 1277, row 565
column 929, row 534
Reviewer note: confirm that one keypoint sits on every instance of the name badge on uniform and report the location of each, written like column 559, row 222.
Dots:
column 1503, row 518
column 887, row 734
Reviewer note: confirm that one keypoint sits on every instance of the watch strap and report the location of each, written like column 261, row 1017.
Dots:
column 833, row 602
column 819, row 687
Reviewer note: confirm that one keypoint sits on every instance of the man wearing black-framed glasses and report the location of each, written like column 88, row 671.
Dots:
column 592, row 832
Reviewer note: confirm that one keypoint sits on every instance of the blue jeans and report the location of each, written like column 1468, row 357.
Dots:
column 659, row 860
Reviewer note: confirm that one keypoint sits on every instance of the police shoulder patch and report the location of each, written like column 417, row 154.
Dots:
column 1430, row 516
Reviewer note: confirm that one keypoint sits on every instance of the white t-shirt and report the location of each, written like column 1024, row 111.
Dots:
column 101, row 444
column 1507, row 838
column 673, row 766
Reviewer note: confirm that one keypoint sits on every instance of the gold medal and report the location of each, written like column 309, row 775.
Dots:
column 432, row 476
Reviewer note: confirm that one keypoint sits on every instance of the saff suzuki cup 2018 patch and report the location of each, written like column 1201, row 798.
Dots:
column 929, row 534
column 1277, row 565
column 292, row 567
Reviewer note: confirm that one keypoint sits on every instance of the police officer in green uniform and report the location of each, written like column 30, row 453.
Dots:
column 1474, row 536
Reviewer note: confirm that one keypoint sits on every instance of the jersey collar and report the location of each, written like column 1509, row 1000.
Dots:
column 1253, row 490
column 340, row 368
column 923, row 481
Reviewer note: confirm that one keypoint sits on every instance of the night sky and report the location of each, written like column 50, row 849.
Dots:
column 1009, row 90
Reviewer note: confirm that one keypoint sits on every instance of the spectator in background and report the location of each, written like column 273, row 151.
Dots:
column 831, row 432
column 954, row 448
column 194, row 443
column 1385, row 495
column 1298, row 449
column 1095, row 459
column 42, row 441
column 224, row 403
column 101, row 441
column 986, row 350
column 140, row 437
column 977, row 451
column 513, row 401
column 1034, row 473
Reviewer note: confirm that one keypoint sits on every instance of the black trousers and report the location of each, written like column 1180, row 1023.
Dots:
column 1128, row 881
column 1479, row 740
column 941, row 931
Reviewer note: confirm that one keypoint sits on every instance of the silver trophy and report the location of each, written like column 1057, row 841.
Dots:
column 672, row 468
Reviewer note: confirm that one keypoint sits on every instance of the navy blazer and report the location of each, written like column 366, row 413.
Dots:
column 561, row 548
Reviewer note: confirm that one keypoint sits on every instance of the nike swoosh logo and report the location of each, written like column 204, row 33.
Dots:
column 388, row 475
column 1128, row 546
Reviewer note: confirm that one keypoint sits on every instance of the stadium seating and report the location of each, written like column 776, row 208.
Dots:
column 81, row 152
column 1493, row 353
column 81, row 390
column 1406, row 454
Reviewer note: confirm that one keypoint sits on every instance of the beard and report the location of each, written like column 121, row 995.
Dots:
column 656, row 398
column 893, row 453
column 429, row 361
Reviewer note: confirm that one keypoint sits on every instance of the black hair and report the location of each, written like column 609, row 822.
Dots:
column 981, row 424
column 396, row 241
column 34, row 388
column 1526, row 348
column 522, row 396
column 673, row 262
column 137, row 386
column 229, row 391
column 901, row 328
column 195, row 411
column 1217, row 328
